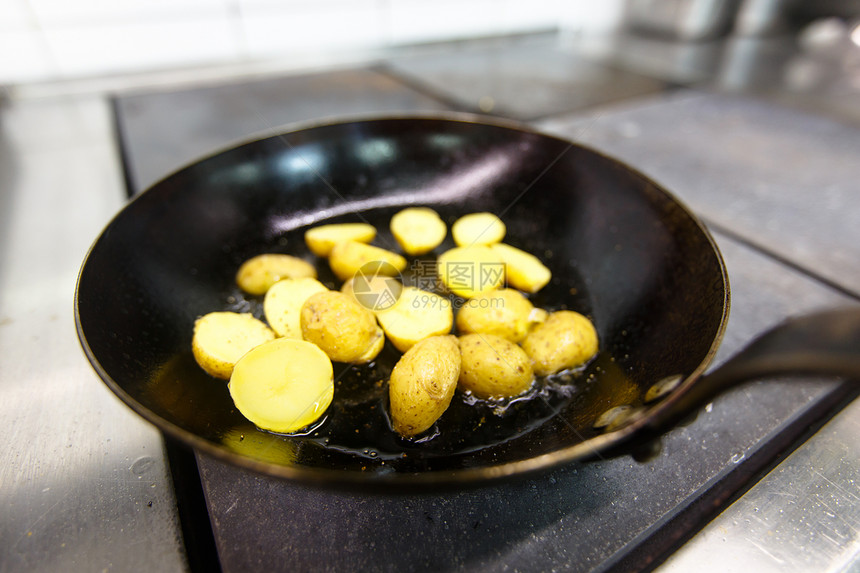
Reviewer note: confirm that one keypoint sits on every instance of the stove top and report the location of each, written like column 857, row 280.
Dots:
column 612, row 514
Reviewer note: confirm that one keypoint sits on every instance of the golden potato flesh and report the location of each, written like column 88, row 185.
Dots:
column 566, row 339
column 523, row 270
column 283, row 304
column 283, row 385
column 419, row 230
column 349, row 257
column 322, row 239
column 477, row 229
column 342, row 328
column 506, row 313
column 422, row 384
column 258, row 274
column 416, row 315
column 493, row 367
column 469, row 271
column 220, row 339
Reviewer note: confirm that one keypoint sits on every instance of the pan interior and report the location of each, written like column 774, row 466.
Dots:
column 621, row 250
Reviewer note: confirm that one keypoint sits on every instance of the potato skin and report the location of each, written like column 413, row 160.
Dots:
column 565, row 340
column 422, row 384
column 342, row 328
column 493, row 367
column 258, row 274
column 506, row 313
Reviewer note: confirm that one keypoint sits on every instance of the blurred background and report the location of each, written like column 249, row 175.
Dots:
column 47, row 40
column 748, row 110
column 52, row 39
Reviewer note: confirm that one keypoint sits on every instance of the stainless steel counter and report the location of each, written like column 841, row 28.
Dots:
column 84, row 483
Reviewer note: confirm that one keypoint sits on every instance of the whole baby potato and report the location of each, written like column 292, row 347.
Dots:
column 566, row 339
column 422, row 384
column 493, row 367
column 342, row 328
column 506, row 313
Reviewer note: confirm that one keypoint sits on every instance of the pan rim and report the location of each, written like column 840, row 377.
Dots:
column 590, row 448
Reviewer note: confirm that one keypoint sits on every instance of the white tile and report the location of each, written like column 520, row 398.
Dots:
column 96, row 50
column 14, row 15
column 341, row 26
column 586, row 16
column 24, row 57
column 415, row 21
column 89, row 12
column 522, row 16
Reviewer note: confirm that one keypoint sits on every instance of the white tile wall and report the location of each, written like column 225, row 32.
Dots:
column 148, row 45
column 272, row 28
column 56, row 39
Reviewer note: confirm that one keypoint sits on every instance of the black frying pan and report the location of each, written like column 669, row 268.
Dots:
column 622, row 251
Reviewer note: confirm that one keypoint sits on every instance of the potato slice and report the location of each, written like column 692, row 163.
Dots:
column 349, row 257
column 477, row 229
column 257, row 274
column 283, row 304
column 523, row 270
column 506, row 313
column 342, row 328
column 283, row 385
column 422, row 384
column 469, row 271
column 220, row 339
column 419, row 230
column 416, row 315
column 566, row 339
column 321, row 240
column 493, row 367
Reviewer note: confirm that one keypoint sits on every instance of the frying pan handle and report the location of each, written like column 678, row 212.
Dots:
column 822, row 344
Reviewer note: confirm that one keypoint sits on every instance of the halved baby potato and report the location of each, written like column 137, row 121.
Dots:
column 283, row 385
column 321, row 240
column 417, row 314
column 469, row 271
column 493, row 367
column 283, row 304
column 349, row 257
column 341, row 327
column 523, row 270
column 566, row 339
column 220, row 339
column 258, row 274
column 419, row 230
column 478, row 229
column 422, row 384
column 506, row 313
